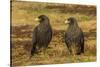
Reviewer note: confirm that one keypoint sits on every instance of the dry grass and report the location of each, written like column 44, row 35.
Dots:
column 23, row 14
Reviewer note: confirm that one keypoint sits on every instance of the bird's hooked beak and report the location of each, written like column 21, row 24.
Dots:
column 37, row 19
column 67, row 22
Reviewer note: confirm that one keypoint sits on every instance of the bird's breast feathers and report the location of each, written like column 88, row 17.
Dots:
column 44, row 29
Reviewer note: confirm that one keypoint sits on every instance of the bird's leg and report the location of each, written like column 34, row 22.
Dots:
column 69, row 49
column 44, row 51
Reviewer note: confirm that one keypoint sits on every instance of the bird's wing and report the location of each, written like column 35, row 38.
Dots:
column 50, row 34
column 34, row 35
column 33, row 49
column 82, row 42
column 81, row 36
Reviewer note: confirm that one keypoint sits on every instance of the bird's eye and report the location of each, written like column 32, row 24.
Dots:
column 42, row 19
column 68, row 19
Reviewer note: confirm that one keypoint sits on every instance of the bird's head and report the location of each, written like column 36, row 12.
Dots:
column 42, row 19
column 71, row 20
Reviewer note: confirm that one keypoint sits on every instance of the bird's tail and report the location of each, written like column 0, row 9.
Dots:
column 82, row 48
column 33, row 50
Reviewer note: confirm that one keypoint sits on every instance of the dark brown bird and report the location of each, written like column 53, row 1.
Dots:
column 74, row 37
column 42, row 34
